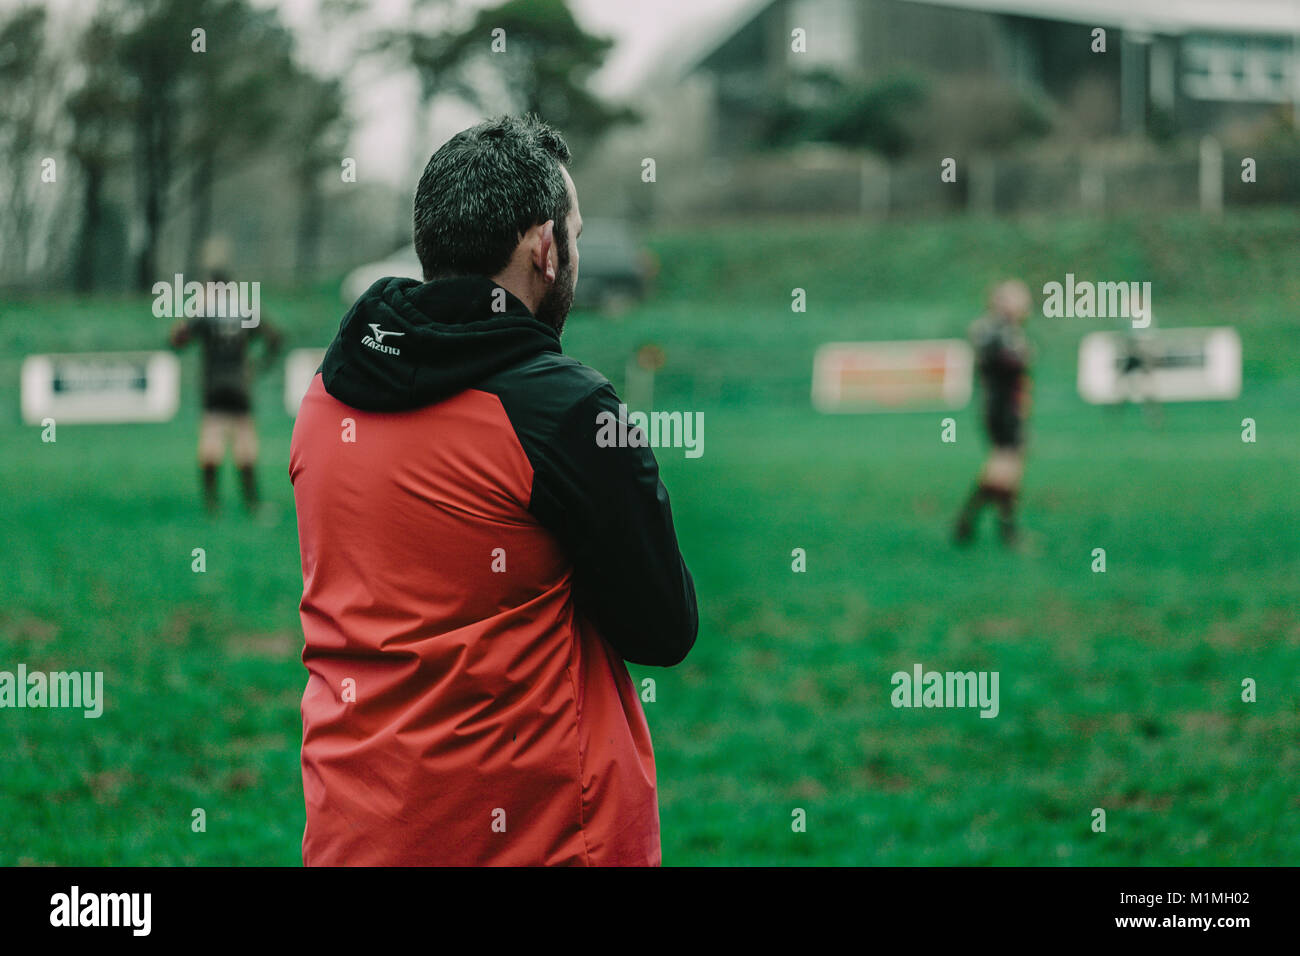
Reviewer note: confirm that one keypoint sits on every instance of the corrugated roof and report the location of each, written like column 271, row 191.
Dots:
column 1278, row 17
column 1273, row 17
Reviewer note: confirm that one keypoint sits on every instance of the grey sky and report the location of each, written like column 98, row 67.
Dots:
column 384, row 101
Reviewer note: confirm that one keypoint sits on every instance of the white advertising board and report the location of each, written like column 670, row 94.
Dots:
column 892, row 376
column 1165, row 365
column 101, row 387
column 299, row 369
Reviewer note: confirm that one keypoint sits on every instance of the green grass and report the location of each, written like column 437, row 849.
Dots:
column 1119, row 690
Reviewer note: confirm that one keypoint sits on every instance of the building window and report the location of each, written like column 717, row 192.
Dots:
column 1232, row 68
column 830, row 32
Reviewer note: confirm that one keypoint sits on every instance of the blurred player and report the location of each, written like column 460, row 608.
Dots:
column 227, row 386
column 1137, row 374
column 1002, row 356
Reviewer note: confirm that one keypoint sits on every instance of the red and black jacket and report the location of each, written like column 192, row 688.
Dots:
column 475, row 571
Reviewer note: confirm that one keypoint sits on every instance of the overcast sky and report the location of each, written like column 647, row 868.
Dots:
column 384, row 100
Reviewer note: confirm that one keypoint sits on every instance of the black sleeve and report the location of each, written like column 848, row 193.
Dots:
column 610, row 512
column 272, row 339
column 272, row 343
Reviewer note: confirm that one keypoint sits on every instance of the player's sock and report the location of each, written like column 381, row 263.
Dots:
column 1007, row 516
column 249, row 480
column 210, row 487
column 965, row 528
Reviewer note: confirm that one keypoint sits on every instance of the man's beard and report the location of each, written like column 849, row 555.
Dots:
column 555, row 304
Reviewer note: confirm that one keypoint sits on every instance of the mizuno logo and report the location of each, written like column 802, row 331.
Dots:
column 373, row 341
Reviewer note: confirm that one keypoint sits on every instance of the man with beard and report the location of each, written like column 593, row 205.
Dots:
column 476, row 569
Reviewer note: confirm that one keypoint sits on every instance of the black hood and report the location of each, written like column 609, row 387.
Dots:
column 434, row 339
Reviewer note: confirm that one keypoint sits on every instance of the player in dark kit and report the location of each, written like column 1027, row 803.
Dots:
column 227, row 386
column 1002, row 356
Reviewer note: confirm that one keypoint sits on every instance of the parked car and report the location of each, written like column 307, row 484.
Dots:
column 615, row 271
column 403, row 263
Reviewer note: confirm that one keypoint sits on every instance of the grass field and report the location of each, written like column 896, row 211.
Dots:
column 1119, row 690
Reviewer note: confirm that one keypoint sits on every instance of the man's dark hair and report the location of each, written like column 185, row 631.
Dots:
column 483, row 189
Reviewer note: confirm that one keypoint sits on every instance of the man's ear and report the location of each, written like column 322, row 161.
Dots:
column 542, row 259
